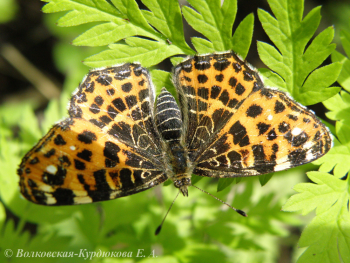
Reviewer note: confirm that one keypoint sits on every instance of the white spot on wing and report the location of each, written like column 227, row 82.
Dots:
column 51, row 169
column 309, row 156
column 282, row 166
column 72, row 148
column 307, row 145
column 270, row 117
column 296, row 131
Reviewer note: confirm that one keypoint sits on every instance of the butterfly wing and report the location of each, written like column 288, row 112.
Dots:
column 107, row 148
column 234, row 126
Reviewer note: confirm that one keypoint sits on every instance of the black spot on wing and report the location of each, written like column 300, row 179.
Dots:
column 125, row 179
column 279, row 107
column 94, row 108
column 119, row 104
column 111, row 151
column 272, row 135
column 237, row 67
column 79, row 165
column 50, row 153
column 63, row 196
column 35, row 160
column 126, row 87
column 239, row 89
column 239, row 133
column 202, row 62
column 110, row 92
column 99, row 100
column 85, row 155
column 103, row 189
column 247, row 76
column 202, row 78
column 59, row 140
column 222, row 64
column 104, row 79
column 263, row 127
column 224, row 97
column 131, row 101
column 232, row 82
column 219, row 77
column 215, row 91
column 87, row 137
column 283, row 127
column 254, row 111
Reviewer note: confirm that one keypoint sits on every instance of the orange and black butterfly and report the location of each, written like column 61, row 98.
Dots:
column 119, row 140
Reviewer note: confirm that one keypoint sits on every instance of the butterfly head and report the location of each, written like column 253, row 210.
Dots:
column 182, row 184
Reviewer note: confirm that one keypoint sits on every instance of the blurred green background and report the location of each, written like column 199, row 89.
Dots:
column 38, row 71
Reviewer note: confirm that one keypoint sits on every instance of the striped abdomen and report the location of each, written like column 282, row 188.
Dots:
column 168, row 117
column 169, row 125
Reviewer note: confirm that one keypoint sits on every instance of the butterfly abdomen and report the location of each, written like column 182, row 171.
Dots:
column 168, row 117
column 169, row 124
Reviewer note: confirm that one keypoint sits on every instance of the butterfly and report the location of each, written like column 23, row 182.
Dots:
column 119, row 140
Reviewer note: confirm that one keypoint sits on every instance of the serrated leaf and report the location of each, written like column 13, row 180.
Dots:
column 166, row 17
column 345, row 40
column 202, row 45
column 344, row 76
column 272, row 79
column 176, row 60
column 330, row 196
column 338, row 157
column 339, row 106
column 105, row 34
column 81, row 12
column 243, row 35
column 291, row 60
column 146, row 52
column 215, row 23
column 272, row 58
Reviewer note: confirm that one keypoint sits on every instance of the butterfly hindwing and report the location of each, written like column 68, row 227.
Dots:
column 108, row 148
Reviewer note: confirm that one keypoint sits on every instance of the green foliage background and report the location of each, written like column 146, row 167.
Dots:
column 198, row 228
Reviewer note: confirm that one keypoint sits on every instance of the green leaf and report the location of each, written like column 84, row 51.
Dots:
column 314, row 91
column 263, row 179
column 339, row 106
column 215, row 23
column 147, row 52
column 162, row 79
column 344, row 76
column 326, row 237
column 202, row 46
column 84, row 11
column 345, row 40
column 225, row 182
column 166, row 17
column 291, row 60
column 338, row 157
column 242, row 38
column 272, row 79
column 105, row 34
column 123, row 20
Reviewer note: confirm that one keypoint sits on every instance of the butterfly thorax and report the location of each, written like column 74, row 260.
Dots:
column 169, row 124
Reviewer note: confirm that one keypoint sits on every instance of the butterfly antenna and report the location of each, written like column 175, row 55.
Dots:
column 237, row 210
column 160, row 226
